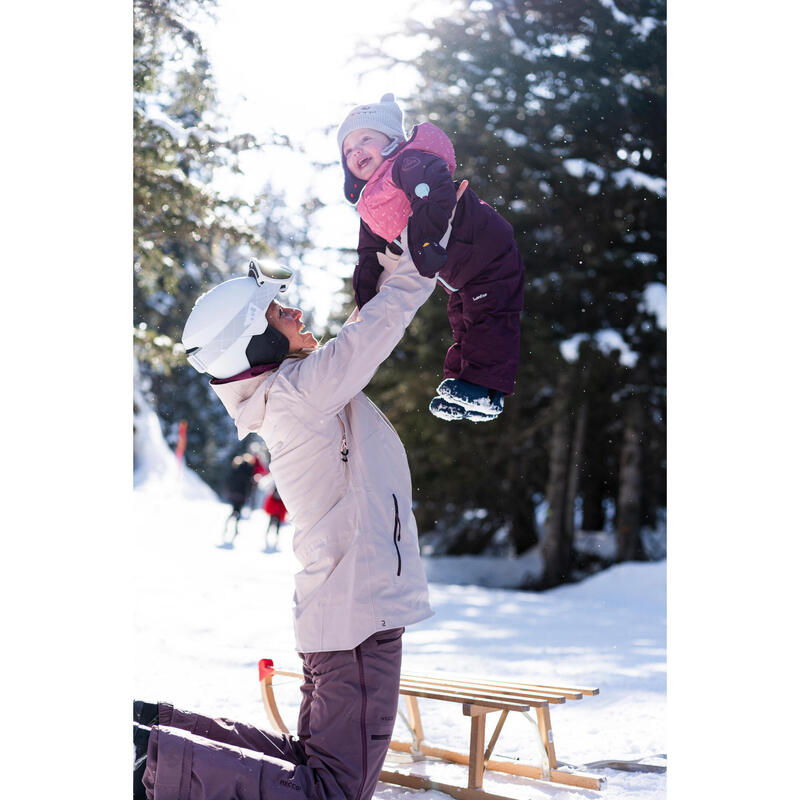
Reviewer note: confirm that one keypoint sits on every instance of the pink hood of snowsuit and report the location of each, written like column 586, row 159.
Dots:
column 342, row 473
column 383, row 205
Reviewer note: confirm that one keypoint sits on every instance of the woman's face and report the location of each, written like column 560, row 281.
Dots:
column 289, row 322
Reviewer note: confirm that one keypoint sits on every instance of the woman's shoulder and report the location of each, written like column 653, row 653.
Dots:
column 300, row 381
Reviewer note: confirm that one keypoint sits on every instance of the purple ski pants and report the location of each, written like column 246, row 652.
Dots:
column 347, row 713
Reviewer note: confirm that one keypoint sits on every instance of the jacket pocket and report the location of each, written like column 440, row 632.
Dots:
column 396, row 534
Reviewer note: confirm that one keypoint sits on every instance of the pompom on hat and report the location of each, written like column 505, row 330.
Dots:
column 385, row 117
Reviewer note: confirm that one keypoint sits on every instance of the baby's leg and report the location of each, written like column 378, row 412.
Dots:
column 452, row 361
column 489, row 326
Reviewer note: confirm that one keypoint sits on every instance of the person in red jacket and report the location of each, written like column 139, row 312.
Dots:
column 397, row 182
column 276, row 510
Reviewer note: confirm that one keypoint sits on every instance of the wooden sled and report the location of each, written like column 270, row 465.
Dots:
column 478, row 697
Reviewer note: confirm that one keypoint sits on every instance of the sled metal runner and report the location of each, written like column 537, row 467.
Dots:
column 478, row 697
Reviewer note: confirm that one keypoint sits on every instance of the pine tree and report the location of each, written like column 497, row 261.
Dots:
column 187, row 236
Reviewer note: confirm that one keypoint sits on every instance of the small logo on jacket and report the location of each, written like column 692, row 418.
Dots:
column 480, row 296
column 290, row 784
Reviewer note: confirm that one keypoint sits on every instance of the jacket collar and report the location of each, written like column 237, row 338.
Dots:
column 251, row 372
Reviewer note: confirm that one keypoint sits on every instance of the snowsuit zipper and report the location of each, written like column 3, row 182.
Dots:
column 396, row 535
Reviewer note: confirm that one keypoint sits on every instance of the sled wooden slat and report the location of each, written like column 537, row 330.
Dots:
column 551, row 695
column 422, row 782
column 517, row 695
column 478, row 697
column 488, row 703
column 464, row 696
column 492, row 701
column 583, row 780
column 449, row 677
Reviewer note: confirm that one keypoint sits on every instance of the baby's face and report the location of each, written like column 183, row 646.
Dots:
column 362, row 151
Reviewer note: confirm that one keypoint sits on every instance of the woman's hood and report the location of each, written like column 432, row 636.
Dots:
column 245, row 399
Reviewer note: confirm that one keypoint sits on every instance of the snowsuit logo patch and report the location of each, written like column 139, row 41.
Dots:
column 480, row 296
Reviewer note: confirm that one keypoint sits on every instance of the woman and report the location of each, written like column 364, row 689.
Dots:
column 342, row 472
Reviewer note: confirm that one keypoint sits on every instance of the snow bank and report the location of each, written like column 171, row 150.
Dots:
column 155, row 466
column 494, row 572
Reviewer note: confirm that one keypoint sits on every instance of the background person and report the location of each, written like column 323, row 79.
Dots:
column 245, row 470
column 276, row 511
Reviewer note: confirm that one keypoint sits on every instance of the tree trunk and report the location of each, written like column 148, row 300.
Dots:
column 629, row 499
column 593, row 512
column 523, row 533
column 594, row 487
column 574, row 477
column 556, row 549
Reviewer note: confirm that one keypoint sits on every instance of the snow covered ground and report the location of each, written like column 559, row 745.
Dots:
column 207, row 613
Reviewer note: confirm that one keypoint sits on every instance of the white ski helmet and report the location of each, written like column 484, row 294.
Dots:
column 227, row 330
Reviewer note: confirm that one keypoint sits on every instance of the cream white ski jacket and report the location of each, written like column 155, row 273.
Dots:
column 342, row 472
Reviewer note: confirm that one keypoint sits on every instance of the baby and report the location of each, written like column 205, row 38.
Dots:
column 397, row 182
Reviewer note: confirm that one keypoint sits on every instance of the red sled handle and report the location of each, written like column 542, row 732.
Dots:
column 265, row 667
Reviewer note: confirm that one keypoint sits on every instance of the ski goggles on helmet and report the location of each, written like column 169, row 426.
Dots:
column 248, row 320
column 270, row 272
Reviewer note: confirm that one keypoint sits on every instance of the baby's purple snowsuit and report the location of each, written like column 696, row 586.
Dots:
column 481, row 269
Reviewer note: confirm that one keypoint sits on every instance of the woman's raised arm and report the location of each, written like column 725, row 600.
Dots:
column 332, row 375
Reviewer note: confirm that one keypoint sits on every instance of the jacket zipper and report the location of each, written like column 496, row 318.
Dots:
column 396, row 535
column 343, row 450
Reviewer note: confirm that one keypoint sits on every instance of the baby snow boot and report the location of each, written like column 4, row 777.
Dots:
column 440, row 408
column 472, row 397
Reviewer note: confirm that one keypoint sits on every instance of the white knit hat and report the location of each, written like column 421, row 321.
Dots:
column 385, row 117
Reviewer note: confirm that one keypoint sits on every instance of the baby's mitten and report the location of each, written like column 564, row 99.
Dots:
column 429, row 257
